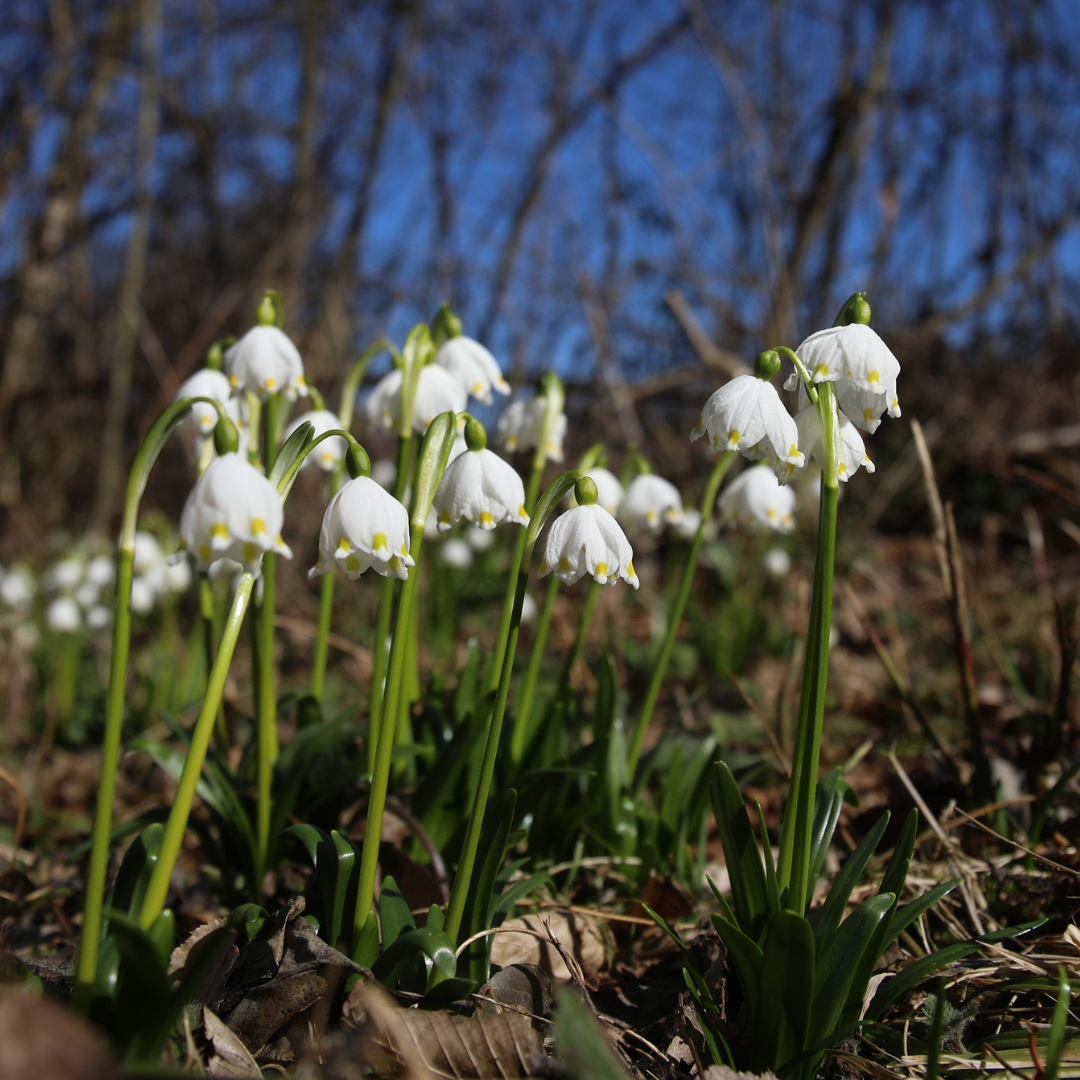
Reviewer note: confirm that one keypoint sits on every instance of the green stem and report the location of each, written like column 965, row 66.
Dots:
column 675, row 616
column 796, row 837
column 158, row 889
column 210, row 636
column 462, row 879
column 537, row 474
column 520, row 735
column 90, row 939
column 584, row 622
column 384, row 746
column 66, row 679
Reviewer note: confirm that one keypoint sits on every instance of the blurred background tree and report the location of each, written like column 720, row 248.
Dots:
column 622, row 191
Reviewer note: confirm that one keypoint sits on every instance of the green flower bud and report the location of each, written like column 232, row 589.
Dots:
column 215, row 355
column 271, row 310
column 585, row 492
column 855, row 310
column 357, row 461
column 445, row 325
column 767, row 365
column 475, row 435
column 226, row 437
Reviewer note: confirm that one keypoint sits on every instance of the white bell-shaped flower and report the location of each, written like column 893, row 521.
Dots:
column 456, row 553
column 609, row 490
column 266, row 361
column 854, row 353
column 747, row 415
column 364, row 526
column 587, row 540
column 98, row 617
column 330, row 451
column 232, row 511
column 521, row 427
column 650, row 504
column 63, row 616
column 66, row 575
column 209, row 384
column 755, row 500
column 852, row 449
column 864, row 408
column 473, row 366
column 480, row 487
column 101, row 571
column 437, row 391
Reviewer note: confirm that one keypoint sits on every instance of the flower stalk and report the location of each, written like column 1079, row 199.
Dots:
column 708, row 501
column 520, row 736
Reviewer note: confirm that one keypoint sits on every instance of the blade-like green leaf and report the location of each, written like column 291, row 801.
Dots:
column 897, row 870
column 134, row 874
column 395, row 918
column 432, row 947
column 749, row 897
column 291, row 449
column 832, row 792
column 772, row 891
column 785, row 992
column 747, row 957
column 905, row 916
column 832, row 911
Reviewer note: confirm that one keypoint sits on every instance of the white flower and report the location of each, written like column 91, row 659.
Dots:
column 755, row 500
column 482, row 488
column 456, row 553
column 852, row 448
column 101, row 571
column 150, row 563
column 437, row 391
column 521, row 428
column 363, row 527
column 87, row 595
column 266, row 361
column 232, row 511
column 777, row 562
column 178, row 577
column 609, row 492
column 98, row 617
column 330, row 451
column 66, row 575
column 62, row 616
column 143, row 596
column 588, row 540
column 687, row 523
column 528, row 609
column 473, row 366
column 650, row 503
column 864, row 408
column 747, row 415
column 17, row 588
column 210, row 384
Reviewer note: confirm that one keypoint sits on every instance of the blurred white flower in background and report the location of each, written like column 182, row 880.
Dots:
column 266, row 361
column 755, row 500
column 479, row 539
column 777, row 562
column 456, row 553
column 98, row 617
column 521, row 427
column 650, row 504
column 18, row 587
column 473, row 366
column 101, row 571
column 609, row 490
column 65, row 575
column 210, row 384
column 330, row 451
column 437, row 391
column 63, row 616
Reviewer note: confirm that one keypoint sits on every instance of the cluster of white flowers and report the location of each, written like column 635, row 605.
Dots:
column 747, row 414
column 521, row 427
column 756, row 501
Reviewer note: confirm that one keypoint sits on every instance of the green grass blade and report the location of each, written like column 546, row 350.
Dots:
column 749, row 896
column 832, row 911
column 1057, row 1027
column 785, row 992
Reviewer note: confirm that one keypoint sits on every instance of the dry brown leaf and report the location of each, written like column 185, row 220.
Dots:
column 498, row 1047
column 579, row 934
column 41, row 1039
column 231, row 1057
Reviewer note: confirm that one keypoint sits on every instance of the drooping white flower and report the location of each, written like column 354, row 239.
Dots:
column 17, row 588
column 473, row 366
column 650, row 503
column 233, row 511
column 364, row 526
column 587, row 540
column 437, row 391
column 521, row 427
column 853, row 352
column 63, row 616
column 482, row 488
column 456, row 553
column 330, row 451
column 266, row 361
column 87, row 595
column 178, row 577
column 479, row 539
column 209, row 384
column 852, row 448
column 755, row 500
column 864, row 408
column 686, row 524
column 609, row 491
column 747, row 415
column 143, row 596
column 98, row 617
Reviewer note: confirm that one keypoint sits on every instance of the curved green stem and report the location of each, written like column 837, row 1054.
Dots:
column 158, row 889
column 210, row 636
column 675, row 615
column 520, row 735
column 322, row 637
column 97, row 869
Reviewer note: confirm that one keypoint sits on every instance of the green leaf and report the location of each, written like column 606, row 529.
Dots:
column 832, row 910
column 749, row 897
column 843, row 959
column 897, row 870
column 772, row 890
column 480, row 902
column 250, row 918
column 291, row 449
column 395, row 918
column 747, row 957
column 832, row 792
column 431, row 946
column 785, row 992
column 1057, row 1027
column 366, row 950
column 905, row 916
column 135, row 872
column 584, row 1052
